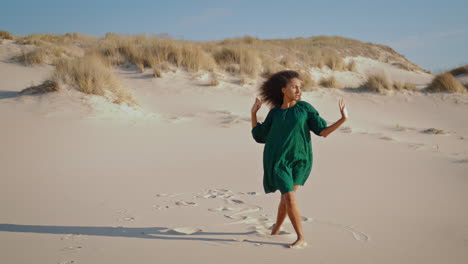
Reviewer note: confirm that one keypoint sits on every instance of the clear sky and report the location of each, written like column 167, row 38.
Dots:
column 433, row 34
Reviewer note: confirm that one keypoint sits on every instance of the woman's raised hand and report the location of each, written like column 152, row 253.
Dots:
column 344, row 112
column 256, row 105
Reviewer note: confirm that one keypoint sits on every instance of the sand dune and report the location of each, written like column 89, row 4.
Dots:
column 180, row 178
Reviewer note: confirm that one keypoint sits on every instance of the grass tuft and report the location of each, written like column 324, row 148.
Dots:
column 330, row 82
column 445, row 82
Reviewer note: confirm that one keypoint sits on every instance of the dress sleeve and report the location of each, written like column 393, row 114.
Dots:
column 260, row 131
column 315, row 122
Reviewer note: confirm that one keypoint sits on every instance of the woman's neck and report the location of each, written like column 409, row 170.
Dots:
column 287, row 104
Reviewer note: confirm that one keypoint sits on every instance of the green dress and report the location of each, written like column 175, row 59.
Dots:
column 287, row 155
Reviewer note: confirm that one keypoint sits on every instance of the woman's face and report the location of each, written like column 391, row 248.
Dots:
column 293, row 89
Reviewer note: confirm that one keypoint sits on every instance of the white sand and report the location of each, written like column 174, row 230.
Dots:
column 366, row 67
column 180, row 180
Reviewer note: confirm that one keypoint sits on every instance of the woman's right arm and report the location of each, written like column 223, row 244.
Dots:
column 260, row 130
column 254, row 110
column 254, row 119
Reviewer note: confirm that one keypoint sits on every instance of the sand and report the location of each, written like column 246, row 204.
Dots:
column 180, row 179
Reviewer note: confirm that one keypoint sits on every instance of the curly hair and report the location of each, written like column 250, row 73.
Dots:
column 270, row 91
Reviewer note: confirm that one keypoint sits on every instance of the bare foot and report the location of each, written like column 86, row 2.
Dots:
column 300, row 243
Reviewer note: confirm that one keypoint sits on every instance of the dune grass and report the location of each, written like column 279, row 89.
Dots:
column 307, row 81
column 48, row 39
column 41, row 55
column 247, row 55
column 91, row 74
column 330, row 82
column 446, row 82
column 460, row 70
column 404, row 86
column 376, row 83
column 6, row 35
column 213, row 80
column 147, row 52
column 45, row 87
column 380, row 84
column 157, row 71
column 351, row 66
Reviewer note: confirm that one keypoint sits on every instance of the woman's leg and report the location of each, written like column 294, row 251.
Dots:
column 282, row 213
column 295, row 216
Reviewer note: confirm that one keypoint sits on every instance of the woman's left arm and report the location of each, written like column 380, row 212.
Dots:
column 344, row 116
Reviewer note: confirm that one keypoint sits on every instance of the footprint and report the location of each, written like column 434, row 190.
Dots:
column 307, row 219
column 124, row 216
column 166, row 194
column 221, row 209
column 360, row 236
column 185, row 203
column 161, row 207
column 184, row 230
column 69, row 248
column 247, row 211
column 415, row 145
column 209, row 196
column 216, row 193
column 235, row 201
column 162, row 195
column 386, row 138
column 357, row 235
column 250, row 220
column 72, row 237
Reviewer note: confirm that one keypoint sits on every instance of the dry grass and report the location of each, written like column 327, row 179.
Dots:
column 330, row 82
column 247, row 56
column 379, row 83
column 351, row 66
column 140, row 66
column 404, row 86
column 48, row 39
column 213, row 80
column 376, row 83
column 238, row 59
column 460, row 70
column 445, row 82
column 37, row 56
column 334, row 62
column 157, row 72
column 243, row 80
column 307, row 81
column 6, row 35
column 91, row 75
column 287, row 62
column 41, row 55
column 145, row 52
column 46, row 87
column 269, row 66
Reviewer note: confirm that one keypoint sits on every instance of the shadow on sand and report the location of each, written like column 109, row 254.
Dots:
column 134, row 232
column 8, row 94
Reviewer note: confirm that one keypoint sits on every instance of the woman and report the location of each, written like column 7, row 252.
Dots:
column 287, row 156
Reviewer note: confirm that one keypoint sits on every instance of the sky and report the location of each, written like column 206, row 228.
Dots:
column 432, row 34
